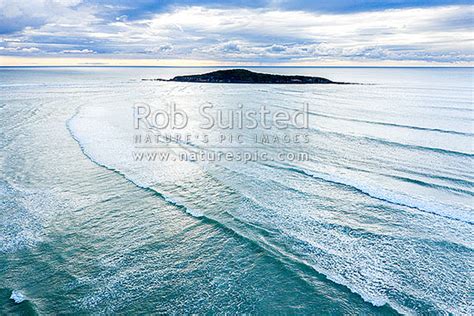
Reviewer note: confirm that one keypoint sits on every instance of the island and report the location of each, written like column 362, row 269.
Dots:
column 247, row 76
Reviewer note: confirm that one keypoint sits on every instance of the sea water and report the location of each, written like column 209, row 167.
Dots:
column 379, row 220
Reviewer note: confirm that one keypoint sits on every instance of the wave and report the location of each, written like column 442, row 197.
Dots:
column 386, row 195
column 430, row 185
column 15, row 302
column 421, row 182
column 394, row 144
column 304, row 195
column 21, row 223
column 17, row 296
column 272, row 250
column 168, row 199
column 466, row 183
column 413, row 127
column 235, row 224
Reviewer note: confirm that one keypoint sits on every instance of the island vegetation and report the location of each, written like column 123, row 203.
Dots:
column 247, row 76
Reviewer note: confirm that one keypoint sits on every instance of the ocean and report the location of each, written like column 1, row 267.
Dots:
column 378, row 220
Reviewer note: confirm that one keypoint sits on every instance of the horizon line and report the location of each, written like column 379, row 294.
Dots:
column 12, row 61
column 234, row 66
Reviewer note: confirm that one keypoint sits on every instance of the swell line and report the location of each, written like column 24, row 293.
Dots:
column 272, row 251
column 419, row 182
column 395, row 144
column 289, row 262
column 362, row 191
column 419, row 128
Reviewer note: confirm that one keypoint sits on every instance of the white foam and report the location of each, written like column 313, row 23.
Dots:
column 17, row 296
column 459, row 212
column 106, row 136
column 365, row 259
column 188, row 210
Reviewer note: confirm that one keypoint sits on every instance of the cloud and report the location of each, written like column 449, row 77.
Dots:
column 143, row 9
column 28, row 50
column 78, row 51
column 230, row 47
column 19, row 14
column 267, row 31
column 162, row 49
column 277, row 48
column 411, row 34
column 352, row 6
column 121, row 18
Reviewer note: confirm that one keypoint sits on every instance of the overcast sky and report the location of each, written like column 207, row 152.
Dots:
column 258, row 32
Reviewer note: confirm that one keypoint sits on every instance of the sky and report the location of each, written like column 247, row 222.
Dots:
column 237, row 32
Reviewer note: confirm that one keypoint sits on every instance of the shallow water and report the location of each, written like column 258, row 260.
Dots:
column 379, row 220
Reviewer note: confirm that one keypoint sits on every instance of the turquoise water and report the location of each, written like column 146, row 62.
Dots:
column 378, row 221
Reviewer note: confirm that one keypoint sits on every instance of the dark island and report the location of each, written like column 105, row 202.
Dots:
column 246, row 76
